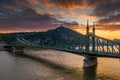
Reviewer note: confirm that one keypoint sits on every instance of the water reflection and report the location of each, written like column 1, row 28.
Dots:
column 90, row 73
column 14, row 67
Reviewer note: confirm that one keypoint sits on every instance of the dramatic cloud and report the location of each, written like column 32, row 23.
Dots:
column 19, row 15
column 87, row 16
column 66, row 4
column 108, row 27
column 36, row 23
column 108, row 12
column 40, row 15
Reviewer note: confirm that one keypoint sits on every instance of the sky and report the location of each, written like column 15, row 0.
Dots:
column 42, row 15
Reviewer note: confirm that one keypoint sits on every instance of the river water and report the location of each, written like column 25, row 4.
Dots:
column 55, row 65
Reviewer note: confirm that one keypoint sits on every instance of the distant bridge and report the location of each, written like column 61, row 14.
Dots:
column 93, row 45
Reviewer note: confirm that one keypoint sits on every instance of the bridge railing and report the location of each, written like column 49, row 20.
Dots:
column 103, row 45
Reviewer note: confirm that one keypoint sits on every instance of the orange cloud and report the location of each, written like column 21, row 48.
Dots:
column 87, row 16
column 108, row 27
column 21, row 30
column 103, row 31
column 66, row 4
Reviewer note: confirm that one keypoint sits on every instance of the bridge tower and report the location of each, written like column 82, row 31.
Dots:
column 87, row 37
column 93, row 39
column 90, row 60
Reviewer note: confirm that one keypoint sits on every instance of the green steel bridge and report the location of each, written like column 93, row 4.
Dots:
column 93, row 45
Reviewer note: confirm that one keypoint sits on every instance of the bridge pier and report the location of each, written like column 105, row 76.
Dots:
column 90, row 61
column 19, row 50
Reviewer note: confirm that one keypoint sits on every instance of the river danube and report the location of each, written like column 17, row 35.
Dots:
column 55, row 65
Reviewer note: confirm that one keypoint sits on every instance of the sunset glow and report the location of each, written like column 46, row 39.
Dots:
column 42, row 15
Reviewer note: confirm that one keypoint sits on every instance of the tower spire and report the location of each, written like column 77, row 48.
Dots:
column 87, row 28
column 93, row 28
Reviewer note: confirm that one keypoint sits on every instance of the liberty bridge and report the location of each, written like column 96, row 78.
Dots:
column 91, row 47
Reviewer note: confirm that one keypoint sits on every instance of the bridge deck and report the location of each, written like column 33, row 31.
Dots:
column 110, row 55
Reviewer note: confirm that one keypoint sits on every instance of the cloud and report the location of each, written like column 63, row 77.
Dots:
column 87, row 16
column 65, row 4
column 15, row 7
column 107, row 9
column 108, row 27
column 94, row 3
column 33, row 23
column 37, row 15
column 20, row 15
column 110, row 20
column 108, row 12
